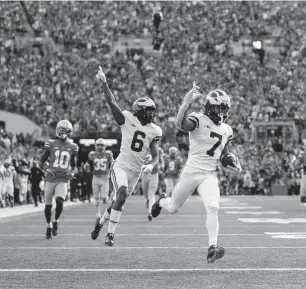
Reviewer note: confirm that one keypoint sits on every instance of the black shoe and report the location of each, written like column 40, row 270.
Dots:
column 109, row 241
column 150, row 217
column 54, row 228
column 156, row 208
column 214, row 253
column 96, row 231
column 48, row 233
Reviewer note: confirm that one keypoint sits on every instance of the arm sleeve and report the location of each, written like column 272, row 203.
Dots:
column 194, row 118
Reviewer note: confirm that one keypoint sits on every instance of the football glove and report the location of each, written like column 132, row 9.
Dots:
column 101, row 75
column 147, row 169
column 236, row 166
column 192, row 95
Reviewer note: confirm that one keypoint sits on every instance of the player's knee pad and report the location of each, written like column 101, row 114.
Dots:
column 173, row 210
column 212, row 206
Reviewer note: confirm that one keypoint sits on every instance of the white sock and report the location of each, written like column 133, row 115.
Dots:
column 212, row 226
column 97, row 207
column 104, row 218
column 165, row 203
column 113, row 220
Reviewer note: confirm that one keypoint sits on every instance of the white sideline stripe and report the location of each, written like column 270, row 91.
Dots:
column 186, row 234
column 136, row 226
column 139, row 248
column 156, row 270
column 239, row 208
column 254, row 212
column 285, row 233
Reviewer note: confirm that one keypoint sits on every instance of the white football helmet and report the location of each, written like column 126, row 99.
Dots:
column 173, row 151
column 63, row 129
column 100, row 145
column 216, row 106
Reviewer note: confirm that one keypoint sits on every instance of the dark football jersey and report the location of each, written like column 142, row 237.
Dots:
column 59, row 159
column 173, row 166
column 100, row 163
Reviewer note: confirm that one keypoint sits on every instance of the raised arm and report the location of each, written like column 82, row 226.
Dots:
column 116, row 111
column 182, row 122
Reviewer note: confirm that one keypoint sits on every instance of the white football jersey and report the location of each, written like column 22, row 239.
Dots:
column 136, row 141
column 206, row 142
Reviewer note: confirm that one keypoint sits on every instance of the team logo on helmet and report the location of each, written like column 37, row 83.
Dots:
column 144, row 108
column 217, row 105
column 63, row 129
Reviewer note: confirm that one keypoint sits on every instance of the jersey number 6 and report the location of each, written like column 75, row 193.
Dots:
column 137, row 142
column 211, row 152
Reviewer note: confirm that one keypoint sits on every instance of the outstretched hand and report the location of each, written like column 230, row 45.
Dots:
column 192, row 95
column 101, row 75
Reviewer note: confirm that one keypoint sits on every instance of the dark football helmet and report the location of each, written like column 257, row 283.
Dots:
column 217, row 105
column 144, row 108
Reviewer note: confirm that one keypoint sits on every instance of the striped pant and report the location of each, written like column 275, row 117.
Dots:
column 123, row 177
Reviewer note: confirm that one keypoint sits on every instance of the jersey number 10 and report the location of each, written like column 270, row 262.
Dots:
column 61, row 159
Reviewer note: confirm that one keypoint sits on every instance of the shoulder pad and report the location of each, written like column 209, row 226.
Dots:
column 158, row 133
column 49, row 143
column 110, row 153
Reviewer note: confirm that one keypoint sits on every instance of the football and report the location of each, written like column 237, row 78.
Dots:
column 228, row 159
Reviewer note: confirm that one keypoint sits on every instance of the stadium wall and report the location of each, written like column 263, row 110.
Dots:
column 17, row 123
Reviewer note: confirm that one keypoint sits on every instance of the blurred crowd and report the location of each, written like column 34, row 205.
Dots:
column 50, row 52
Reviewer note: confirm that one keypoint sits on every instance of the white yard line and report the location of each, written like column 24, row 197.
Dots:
column 133, row 234
column 144, row 248
column 153, row 270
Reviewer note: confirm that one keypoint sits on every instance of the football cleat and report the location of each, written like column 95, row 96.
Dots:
column 109, row 241
column 214, row 253
column 54, row 228
column 48, row 233
column 156, row 208
column 150, row 217
column 96, row 231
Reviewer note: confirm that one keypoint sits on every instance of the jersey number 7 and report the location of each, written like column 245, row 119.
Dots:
column 211, row 152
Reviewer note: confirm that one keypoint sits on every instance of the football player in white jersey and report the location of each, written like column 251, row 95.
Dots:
column 140, row 136
column 209, row 136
